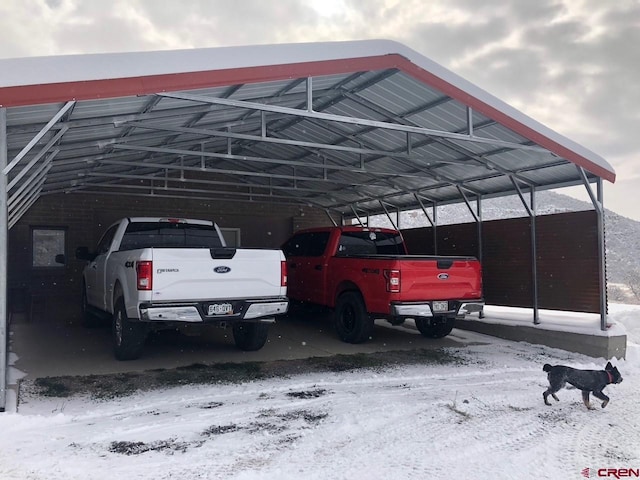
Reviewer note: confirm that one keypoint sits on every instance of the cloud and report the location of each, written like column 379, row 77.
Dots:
column 571, row 65
column 213, row 23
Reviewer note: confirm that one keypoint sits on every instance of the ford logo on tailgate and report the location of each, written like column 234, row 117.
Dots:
column 222, row 269
column 443, row 276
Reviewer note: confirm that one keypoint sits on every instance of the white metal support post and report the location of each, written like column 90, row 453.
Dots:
column 534, row 256
column 531, row 211
column 602, row 253
column 3, row 260
column 598, row 204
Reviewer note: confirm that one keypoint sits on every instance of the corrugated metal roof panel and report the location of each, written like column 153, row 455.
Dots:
column 386, row 124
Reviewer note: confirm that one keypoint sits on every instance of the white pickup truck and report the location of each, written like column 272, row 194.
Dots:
column 155, row 273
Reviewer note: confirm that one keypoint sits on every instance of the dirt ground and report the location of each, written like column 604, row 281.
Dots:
column 107, row 386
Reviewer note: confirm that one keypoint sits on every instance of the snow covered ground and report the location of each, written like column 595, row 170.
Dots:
column 481, row 417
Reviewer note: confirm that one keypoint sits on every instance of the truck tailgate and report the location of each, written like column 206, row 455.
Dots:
column 193, row 274
column 443, row 279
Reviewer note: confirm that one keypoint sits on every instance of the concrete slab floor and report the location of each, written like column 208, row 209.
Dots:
column 43, row 347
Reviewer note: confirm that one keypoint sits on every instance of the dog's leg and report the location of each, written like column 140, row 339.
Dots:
column 585, row 399
column 546, row 394
column 603, row 397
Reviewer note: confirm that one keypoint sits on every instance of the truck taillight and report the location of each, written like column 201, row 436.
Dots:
column 283, row 274
column 144, row 271
column 393, row 280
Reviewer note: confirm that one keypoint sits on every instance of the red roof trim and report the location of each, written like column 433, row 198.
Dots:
column 120, row 87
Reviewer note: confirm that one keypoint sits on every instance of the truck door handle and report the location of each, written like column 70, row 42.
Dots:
column 318, row 267
column 94, row 266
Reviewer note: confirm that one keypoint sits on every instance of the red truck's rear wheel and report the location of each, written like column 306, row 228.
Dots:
column 436, row 327
column 352, row 321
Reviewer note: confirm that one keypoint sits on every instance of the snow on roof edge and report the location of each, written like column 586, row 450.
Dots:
column 101, row 66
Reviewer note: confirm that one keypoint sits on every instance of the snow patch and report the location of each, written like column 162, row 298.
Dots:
column 484, row 418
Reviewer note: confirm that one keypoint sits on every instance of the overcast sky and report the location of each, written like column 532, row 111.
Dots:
column 573, row 65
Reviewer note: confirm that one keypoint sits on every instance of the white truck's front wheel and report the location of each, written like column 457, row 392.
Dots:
column 128, row 336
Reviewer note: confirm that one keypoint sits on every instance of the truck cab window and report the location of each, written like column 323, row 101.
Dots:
column 368, row 243
column 105, row 241
column 169, row 235
column 309, row 244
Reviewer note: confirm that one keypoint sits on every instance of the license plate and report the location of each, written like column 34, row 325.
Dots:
column 440, row 306
column 220, row 309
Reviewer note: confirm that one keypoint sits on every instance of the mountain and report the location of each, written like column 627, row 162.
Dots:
column 622, row 235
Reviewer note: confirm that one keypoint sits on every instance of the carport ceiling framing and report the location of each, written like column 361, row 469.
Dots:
column 347, row 140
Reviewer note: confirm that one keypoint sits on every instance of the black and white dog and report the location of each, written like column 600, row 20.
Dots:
column 589, row 381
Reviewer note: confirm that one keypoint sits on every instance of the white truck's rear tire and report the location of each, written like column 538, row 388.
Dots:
column 128, row 336
column 250, row 336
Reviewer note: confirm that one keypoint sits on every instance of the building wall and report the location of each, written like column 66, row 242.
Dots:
column 86, row 216
column 567, row 258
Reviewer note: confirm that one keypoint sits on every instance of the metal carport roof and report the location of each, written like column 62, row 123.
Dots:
column 350, row 127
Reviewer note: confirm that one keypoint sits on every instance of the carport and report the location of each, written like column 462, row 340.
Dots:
column 324, row 132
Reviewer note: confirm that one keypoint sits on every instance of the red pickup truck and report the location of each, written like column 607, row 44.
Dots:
column 365, row 273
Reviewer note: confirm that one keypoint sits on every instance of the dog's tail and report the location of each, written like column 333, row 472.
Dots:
column 546, row 367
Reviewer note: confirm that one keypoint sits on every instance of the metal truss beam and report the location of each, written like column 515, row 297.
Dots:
column 38, row 136
column 158, row 193
column 352, row 120
column 43, row 151
column 280, row 141
column 173, row 166
column 37, row 178
column 182, row 181
column 246, row 158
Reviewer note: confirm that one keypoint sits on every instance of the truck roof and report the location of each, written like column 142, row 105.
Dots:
column 169, row 220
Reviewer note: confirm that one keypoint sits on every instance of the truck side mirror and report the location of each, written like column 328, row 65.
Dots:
column 61, row 258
